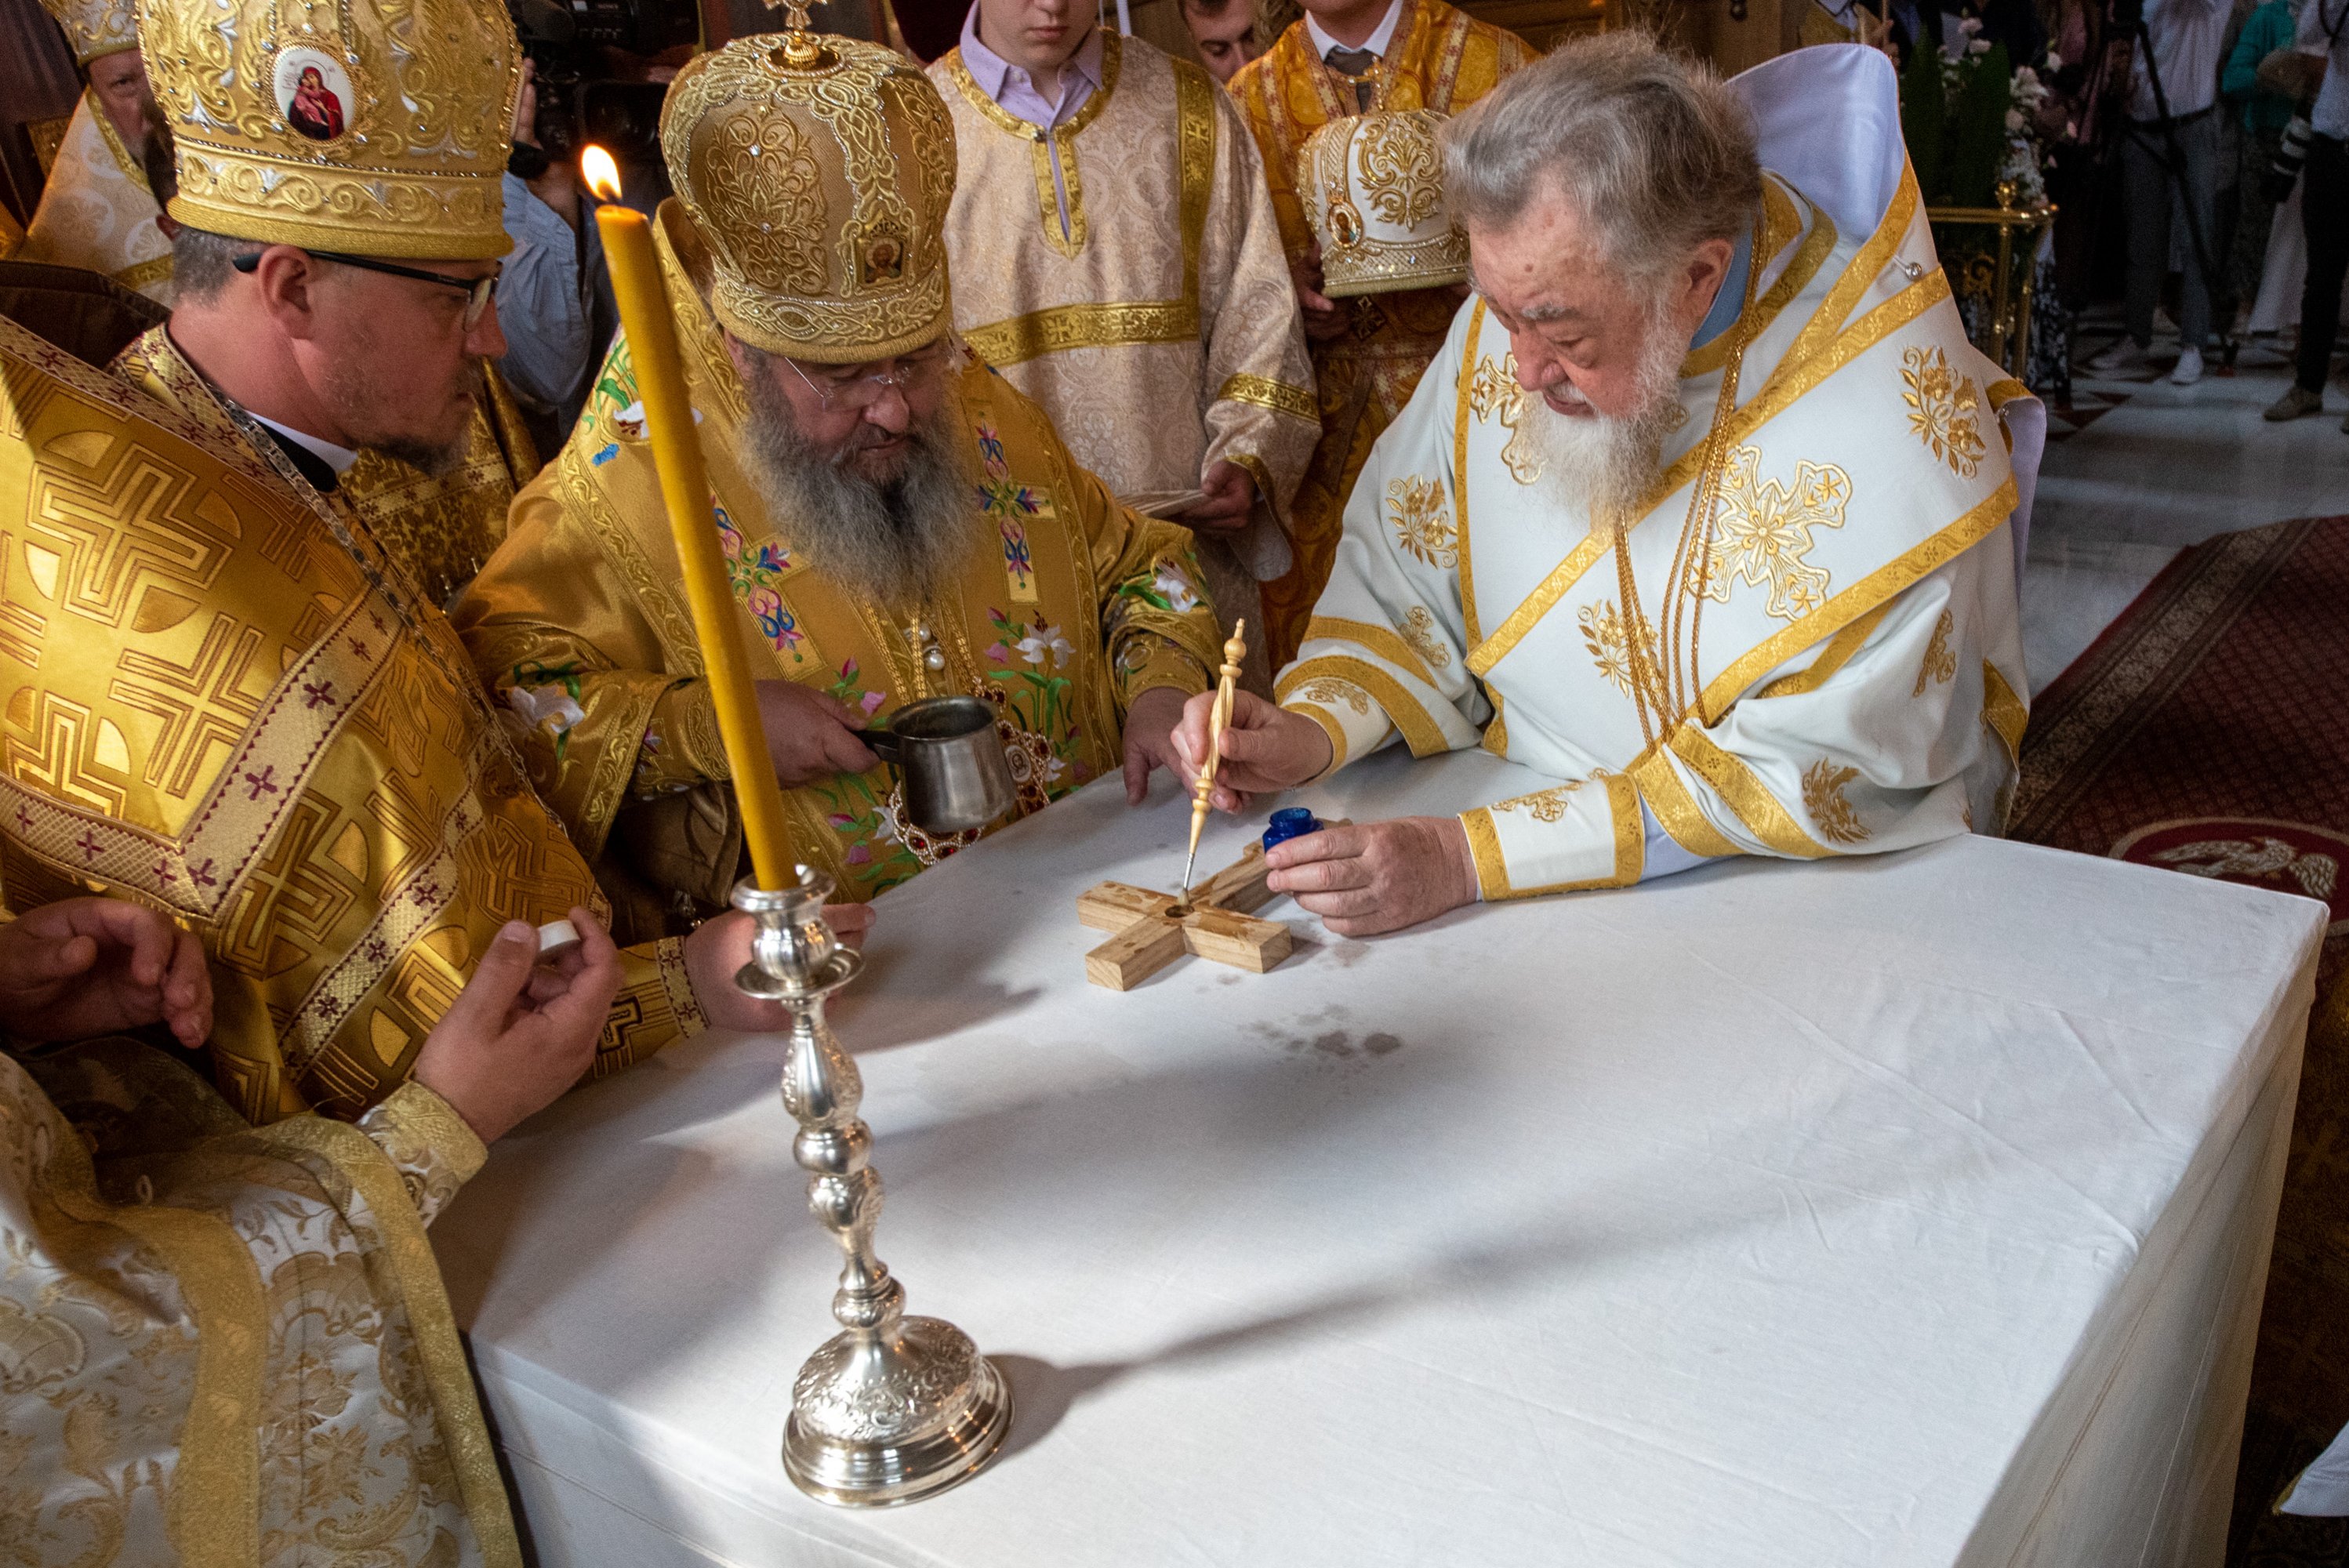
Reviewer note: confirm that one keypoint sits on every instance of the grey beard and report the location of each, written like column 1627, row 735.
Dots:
column 1606, row 463
column 898, row 541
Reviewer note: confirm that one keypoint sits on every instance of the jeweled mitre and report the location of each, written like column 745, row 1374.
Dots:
column 379, row 127
column 95, row 27
column 816, row 170
column 1373, row 189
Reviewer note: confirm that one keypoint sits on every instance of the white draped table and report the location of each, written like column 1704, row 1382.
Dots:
column 1881, row 1212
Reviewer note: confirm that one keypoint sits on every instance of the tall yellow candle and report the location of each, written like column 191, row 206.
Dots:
column 677, row 451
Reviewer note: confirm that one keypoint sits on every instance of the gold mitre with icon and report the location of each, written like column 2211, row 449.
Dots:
column 1373, row 189
column 95, row 27
column 816, row 170
column 379, row 127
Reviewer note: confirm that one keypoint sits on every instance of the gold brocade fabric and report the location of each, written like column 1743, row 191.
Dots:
column 224, row 700
column 227, row 1346
column 441, row 528
column 97, row 213
column 1440, row 59
column 1158, row 329
column 1069, row 606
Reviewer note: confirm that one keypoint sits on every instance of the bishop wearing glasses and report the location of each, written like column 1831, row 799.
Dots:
column 898, row 521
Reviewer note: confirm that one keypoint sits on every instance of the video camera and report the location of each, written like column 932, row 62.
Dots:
column 582, row 97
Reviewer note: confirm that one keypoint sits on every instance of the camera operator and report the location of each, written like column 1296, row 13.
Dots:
column 2319, row 63
column 555, row 297
column 2170, row 166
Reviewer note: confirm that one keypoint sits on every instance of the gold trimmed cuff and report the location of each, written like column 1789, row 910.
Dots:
column 1330, row 726
column 677, row 985
column 1422, row 731
column 434, row 1149
column 1264, row 392
column 1485, row 849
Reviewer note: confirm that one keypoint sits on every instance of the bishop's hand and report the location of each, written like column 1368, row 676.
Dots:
column 1264, row 748
column 86, row 967
column 810, row 734
column 716, row 949
column 1381, row 876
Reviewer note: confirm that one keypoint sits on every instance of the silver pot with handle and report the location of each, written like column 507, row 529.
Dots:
column 946, row 750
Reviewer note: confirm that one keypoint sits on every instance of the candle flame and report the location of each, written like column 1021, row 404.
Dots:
column 603, row 175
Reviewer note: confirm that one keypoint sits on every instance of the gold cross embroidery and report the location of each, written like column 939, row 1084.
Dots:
column 1762, row 533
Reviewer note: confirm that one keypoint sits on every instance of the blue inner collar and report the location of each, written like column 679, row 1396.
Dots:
column 1730, row 302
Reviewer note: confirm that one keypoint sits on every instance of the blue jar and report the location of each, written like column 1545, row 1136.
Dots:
column 1289, row 823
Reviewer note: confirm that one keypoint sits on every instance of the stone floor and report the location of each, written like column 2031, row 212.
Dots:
column 2162, row 467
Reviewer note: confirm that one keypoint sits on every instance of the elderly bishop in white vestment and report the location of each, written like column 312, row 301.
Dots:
column 1834, row 665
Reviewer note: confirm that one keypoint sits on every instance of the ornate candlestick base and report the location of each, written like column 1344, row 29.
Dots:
column 892, row 1407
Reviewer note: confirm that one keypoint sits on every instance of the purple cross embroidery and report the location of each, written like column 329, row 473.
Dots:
column 425, row 894
column 202, row 875
column 260, row 782
column 314, row 696
column 24, row 818
column 87, row 845
column 164, row 873
column 377, row 950
column 358, row 648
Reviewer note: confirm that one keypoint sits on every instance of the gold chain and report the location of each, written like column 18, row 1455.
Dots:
column 1668, row 683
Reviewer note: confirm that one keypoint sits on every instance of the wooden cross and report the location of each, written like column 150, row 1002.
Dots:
column 1151, row 935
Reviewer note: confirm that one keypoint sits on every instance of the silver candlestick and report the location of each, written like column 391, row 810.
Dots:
column 892, row 1407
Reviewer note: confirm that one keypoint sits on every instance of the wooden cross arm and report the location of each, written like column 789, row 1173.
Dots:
column 1149, row 942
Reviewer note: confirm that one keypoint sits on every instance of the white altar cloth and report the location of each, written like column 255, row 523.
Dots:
column 1881, row 1212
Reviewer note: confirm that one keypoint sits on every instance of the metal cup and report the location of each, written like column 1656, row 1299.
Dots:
column 951, row 758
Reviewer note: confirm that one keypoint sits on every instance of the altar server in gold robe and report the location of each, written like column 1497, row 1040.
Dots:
column 228, row 1344
column 899, row 521
column 1340, row 57
column 1117, row 257
column 98, row 211
column 225, row 697
column 1702, row 512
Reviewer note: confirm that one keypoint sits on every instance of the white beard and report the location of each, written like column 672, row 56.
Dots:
column 1601, row 464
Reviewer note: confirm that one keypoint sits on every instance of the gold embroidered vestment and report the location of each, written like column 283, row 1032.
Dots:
column 1070, row 606
column 226, row 700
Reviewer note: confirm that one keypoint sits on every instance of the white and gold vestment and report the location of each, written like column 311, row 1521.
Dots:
column 1858, row 679
column 223, row 1344
column 1155, row 324
column 98, row 212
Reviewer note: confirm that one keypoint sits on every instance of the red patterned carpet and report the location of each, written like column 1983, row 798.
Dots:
column 2204, row 732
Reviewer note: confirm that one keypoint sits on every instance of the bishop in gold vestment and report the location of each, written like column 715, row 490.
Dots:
column 1122, row 268
column 1060, row 607
column 225, row 697
column 1436, row 59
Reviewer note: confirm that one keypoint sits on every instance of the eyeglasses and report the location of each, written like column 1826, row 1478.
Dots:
column 479, row 290
column 844, row 394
